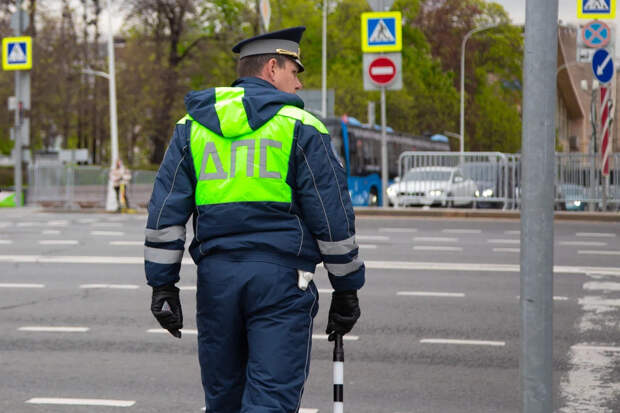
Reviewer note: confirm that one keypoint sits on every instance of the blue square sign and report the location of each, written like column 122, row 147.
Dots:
column 596, row 9
column 381, row 32
column 17, row 53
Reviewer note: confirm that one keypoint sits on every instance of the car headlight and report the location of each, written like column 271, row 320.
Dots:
column 391, row 191
column 477, row 193
column 435, row 192
column 487, row 193
column 577, row 203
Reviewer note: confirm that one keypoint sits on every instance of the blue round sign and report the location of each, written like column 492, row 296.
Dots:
column 602, row 66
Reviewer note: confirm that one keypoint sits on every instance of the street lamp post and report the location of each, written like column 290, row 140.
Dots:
column 467, row 36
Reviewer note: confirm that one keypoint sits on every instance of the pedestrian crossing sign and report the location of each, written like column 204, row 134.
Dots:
column 17, row 53
column 596, row 9
column 382, row 32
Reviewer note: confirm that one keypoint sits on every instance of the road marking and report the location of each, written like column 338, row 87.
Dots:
column 5, row 241
column 111, row 286
column 368, row 246
column 324, row 337
column 398, row 230
column 50, row 232
column 86, row 220
column 325, row 290
column 107, row 224
column 465, row 342
column 5, row 224
column 430, row 294
column 108, row 233
column 187, row 287
column 21, row 285
column 26, row 224
column 436, row 248
column 601, row 286
column 512, row 232
column 435, row 239
column 595, row 348
column 191, row 331
column 584, row 243
column 58, row 242
column 372, row 238
column 503, row 241
column 598, row 303
column 598, row 252
column 141, row 243
column 596, row 234
column 462, row 231
column 81, row 402
column 49, row 329
column 58, row 223
column 506, row 250
column 555, row 298
column 308, row 410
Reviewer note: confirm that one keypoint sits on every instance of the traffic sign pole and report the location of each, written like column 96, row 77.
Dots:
column 18, row 119
column 384, row 154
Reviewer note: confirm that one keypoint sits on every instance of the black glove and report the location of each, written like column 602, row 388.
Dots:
column 166, row 307
column 343, row 313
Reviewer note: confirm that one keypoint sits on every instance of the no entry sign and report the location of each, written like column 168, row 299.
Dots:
column 382, row 70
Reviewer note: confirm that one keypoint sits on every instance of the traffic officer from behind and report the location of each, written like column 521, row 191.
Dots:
column 269, row 201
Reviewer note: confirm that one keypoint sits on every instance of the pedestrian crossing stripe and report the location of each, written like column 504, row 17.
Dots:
column 17, row 53
column 381, row 32
column 596, row 9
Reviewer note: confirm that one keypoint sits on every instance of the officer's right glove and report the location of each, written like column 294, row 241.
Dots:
column 166, row 307
column 343, row 313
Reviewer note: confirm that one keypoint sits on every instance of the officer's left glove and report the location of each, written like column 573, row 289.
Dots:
column 343, row 313
column 166, row 307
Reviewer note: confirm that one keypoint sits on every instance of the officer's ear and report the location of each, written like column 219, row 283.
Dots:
column 270, row 69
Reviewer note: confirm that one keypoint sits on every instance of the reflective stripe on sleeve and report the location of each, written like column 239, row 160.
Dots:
column 168, row 234
column 343, row 269
column 338, row 247
column 161, row 256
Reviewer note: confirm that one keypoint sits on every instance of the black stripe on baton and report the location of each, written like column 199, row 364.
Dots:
column 338, row 356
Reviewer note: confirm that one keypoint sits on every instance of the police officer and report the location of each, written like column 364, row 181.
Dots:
column 269, row 201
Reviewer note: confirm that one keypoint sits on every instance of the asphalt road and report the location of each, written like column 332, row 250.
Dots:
column 439, row 331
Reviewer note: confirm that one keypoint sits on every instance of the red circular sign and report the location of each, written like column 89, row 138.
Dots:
column 382, row 71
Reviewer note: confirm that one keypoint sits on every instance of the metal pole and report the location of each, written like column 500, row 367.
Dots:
column 324, row 65
column 538, row 145
column 384, row 154
column 17, row 172
column 111, row 203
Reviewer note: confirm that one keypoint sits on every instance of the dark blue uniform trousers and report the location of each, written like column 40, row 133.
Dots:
column 254, row 336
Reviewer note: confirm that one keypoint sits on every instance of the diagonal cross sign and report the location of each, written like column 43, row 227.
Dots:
column 596, row 34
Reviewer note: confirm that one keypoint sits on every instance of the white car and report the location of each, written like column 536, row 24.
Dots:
column 433, row 185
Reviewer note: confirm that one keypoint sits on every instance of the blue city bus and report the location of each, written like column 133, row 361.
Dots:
column 359, row 149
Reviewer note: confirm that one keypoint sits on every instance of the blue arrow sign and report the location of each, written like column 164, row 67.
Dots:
column 602, row 66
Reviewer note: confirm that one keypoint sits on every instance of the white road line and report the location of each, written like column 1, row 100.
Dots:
column 601, row 286
column 595, row 348
column 111, row 286
column 49, row 329
column 127, row 243
column 324, row 337
column 58, row 223
column 503, row 241
column 555, row 298
column 58, row 242
column 598, row 252
column 436, row 248
column 5, row 241
column 26, row 224
column 50, row 232
column 108, row 233
column 81, row 402
column 398, row 230
column 430, row 294
column 308, row 410
column 187, row 287
column 462, row 231
column 435, row 239
column 596, row 234
column 21, row 285
column 183, row 330
column 506, row 250
column 86, row 220
column 598, row 303
column 325, row 290
column 107, row 224
column 465, row 342
column 372, row 238
column 368, row 246
column 584, row 243
column 512, row 232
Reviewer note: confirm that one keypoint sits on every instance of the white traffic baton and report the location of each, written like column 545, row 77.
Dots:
column 338, row 374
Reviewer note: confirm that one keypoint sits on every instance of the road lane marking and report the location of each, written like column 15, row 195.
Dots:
column 108, row 233
column 436, row 248
column 26, row 224
column 308, row 410
column 325, row 290
column 512, row 232
column 345, row 337
column 601, row 286
column 465, row 342
column 5, row 241
column 191, row 331
column 141, row 243
column 430, row 294
column 50, row 232
column 584, row 243
column 596, row 234
column 86, row 220
column 398, row 230
column 506, row 250
column 81, row 402
column 435, row 239
column 462, row 231
column 503, row 241
column 21, row 285
column 187, row 287
column 58, row 242
column 598, row 252
column 58, row 223
column 555, row 298
column 50, row 329
column 111, row 286
column 595, row 348
column 372, row 238
column 599, row 303
column 368, row 246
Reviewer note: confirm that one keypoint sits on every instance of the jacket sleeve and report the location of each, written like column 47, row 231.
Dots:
column 171, row 205
column 323, row 197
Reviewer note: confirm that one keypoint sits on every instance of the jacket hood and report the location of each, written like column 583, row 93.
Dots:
column 240, row 109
